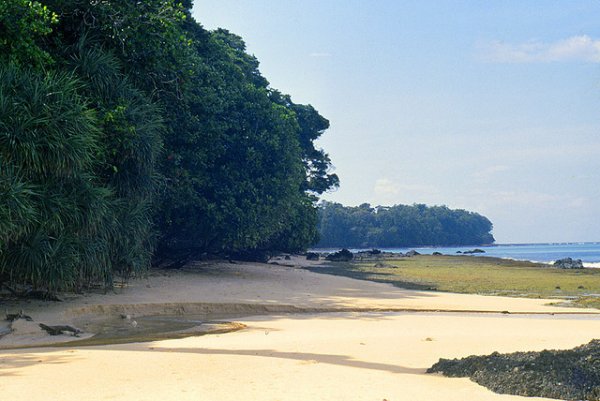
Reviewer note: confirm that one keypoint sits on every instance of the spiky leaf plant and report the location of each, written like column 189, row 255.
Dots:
column 131, row 140
column 58, row 220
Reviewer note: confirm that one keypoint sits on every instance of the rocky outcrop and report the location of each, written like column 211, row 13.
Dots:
column 340, row 256
column 567, row 374
column 477, row 250
column 412, row 253
column 568, row 263
column 312, row 256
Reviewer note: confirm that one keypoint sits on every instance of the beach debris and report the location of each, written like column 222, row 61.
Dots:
column 568, row 263
column 11, row 317
column 343, row 255
column 60, row 329
column 572, row 374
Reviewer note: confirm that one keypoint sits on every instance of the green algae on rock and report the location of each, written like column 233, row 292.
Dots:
column 563, row 374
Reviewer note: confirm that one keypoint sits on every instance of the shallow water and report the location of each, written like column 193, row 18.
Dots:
column 119, row 330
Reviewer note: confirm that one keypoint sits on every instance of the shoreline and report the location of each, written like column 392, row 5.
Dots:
column 588, row 262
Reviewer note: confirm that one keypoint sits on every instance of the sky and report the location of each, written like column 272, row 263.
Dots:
column 488, row 106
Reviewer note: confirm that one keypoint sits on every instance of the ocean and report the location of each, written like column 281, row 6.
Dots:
column 588, row 252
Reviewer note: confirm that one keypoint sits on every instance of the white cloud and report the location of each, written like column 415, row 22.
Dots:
column 575, row 48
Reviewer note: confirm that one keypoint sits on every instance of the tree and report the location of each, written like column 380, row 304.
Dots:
column 138, row 133
column 23, row 23
column 400, row 226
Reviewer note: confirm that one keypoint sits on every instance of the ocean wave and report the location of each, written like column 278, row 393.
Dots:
column 593, row 265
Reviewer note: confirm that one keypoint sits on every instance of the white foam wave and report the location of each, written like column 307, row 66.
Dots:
column 593, row 265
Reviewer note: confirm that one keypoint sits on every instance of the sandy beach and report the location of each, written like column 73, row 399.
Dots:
column 307, row 336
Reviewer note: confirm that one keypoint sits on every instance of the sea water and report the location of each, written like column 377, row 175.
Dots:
column 588, row 252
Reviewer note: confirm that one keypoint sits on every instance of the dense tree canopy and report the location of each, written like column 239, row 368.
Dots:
column 400, row 226
column 127, row 130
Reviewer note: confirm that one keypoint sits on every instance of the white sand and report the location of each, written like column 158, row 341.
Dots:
column 331, row 356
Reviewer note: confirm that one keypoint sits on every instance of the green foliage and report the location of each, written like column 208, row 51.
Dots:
column 400, row 226
column 23, row 23
column 145, row 36
column 138, row 129
column 57, row 215
column 131, row 141
column 236, row 167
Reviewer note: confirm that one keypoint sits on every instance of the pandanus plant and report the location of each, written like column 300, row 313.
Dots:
column 55, row 216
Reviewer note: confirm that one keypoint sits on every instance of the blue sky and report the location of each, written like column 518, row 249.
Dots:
column 492, row 107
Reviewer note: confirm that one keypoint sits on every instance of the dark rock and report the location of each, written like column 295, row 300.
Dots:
column 412, row 253
column 568, row 263
column 341, row 256
column 312, row 256
column 57, row 330
column 473, row 251
column 566, row 374
column 437, row 253
column 11, row 317
column 287, row 257
column 458, row 251
column 375, row 251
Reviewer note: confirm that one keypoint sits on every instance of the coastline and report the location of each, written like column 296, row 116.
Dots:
column 545, row 253
column 304, row 336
